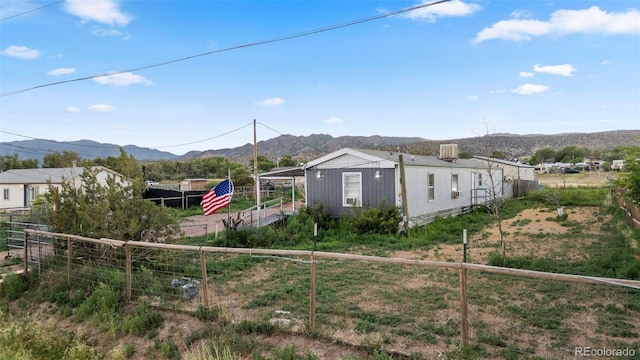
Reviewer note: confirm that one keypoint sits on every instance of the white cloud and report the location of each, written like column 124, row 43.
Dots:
column 521, row 14
column 122, row 79
column 473, row 97
column 564, row 70
column 21, row 52
column 606, row 62
column 271, row 102
column 62, row 71
column 333, row 120
column 451, row 8
column 524, row 74
column 102, row 32
column 73, row 109
column 528, row 89
column 102, row 11
column 589, row 21
column 101, row 108
column 497, row 92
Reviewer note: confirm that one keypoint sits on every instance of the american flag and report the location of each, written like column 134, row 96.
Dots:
column 217, row 198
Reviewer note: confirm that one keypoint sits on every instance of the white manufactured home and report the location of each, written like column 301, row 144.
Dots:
column 20, row 187
column 435, row 186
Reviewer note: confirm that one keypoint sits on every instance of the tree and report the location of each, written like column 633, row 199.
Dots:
column 10, row 162
column 115, row 210
column 287, row 160
column 61, row 160
column 629, row 178
column 494, row 203
column 542, row 156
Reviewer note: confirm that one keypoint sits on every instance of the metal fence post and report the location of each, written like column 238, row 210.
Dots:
column 127, row 248
column 205, row 288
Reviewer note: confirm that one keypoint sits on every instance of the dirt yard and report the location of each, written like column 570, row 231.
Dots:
column 525, row 234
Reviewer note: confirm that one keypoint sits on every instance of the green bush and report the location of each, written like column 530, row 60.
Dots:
column 103, row 305
column 13, row 286
column 143, row 321
column 374, row 220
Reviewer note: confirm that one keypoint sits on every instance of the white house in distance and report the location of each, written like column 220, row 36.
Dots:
column 20, row 187
column 435, row 186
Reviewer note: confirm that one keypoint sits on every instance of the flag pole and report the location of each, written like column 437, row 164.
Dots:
column 229, row 207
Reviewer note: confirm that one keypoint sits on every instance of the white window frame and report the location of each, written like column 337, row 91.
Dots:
column 431, row 187
column 354, row 197
column 455, row 187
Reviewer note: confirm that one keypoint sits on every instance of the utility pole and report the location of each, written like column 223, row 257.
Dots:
column 255, row 163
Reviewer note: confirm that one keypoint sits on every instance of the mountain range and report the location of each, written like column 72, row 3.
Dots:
column 309, row 147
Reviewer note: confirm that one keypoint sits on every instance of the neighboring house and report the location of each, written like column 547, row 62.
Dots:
column 193, row 184
column 518, row 178
column 435, row 186
column 20, row 187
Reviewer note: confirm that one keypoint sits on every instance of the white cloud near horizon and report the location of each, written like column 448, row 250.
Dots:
column 275, row 101
column 101, row 11
column 333, row 120
column 563, row 70
column 73, row 109
column 473, row 97
column 101, row 108
column 21, row 52
column 122, row 79
column 529, row 89
column 524, row 74
column 61, row 71
column 447, row 9
column 589, row 21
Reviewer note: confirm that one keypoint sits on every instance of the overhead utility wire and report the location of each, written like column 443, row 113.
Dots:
column 257, row 43
column 30, row 11
column 207, row 139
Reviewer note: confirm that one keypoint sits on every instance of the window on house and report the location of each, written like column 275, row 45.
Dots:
column 6, row 194
column 480, row 179
column 455, row 193
column 351, row 189
column 34, row 192
column 431, row 187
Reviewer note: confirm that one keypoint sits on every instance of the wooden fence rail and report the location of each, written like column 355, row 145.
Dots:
column 314, row 257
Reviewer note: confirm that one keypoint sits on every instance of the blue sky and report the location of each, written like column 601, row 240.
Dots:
column 451, row 70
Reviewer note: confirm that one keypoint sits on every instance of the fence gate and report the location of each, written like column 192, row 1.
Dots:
column 34, row 247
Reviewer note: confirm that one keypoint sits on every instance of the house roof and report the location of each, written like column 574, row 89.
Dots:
column 504, row 162
column 283, row 172
column 44, row 175
column 393, row 158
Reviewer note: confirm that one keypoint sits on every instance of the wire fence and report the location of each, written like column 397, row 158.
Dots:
column 403, row 306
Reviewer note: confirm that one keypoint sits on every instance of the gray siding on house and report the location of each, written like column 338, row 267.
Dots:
column 327, row 190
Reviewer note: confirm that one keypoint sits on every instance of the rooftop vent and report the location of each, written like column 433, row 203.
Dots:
column 449, row 152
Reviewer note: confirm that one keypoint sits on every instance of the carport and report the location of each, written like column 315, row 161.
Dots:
column 285, row 173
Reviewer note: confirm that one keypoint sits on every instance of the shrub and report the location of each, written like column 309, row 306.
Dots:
column 102, row 305
column 144, row 320
column 374, row 220
column 13, row 286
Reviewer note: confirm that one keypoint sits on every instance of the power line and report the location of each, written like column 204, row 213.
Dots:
column 207, row 139
column 237, row 47
column 30, row 11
